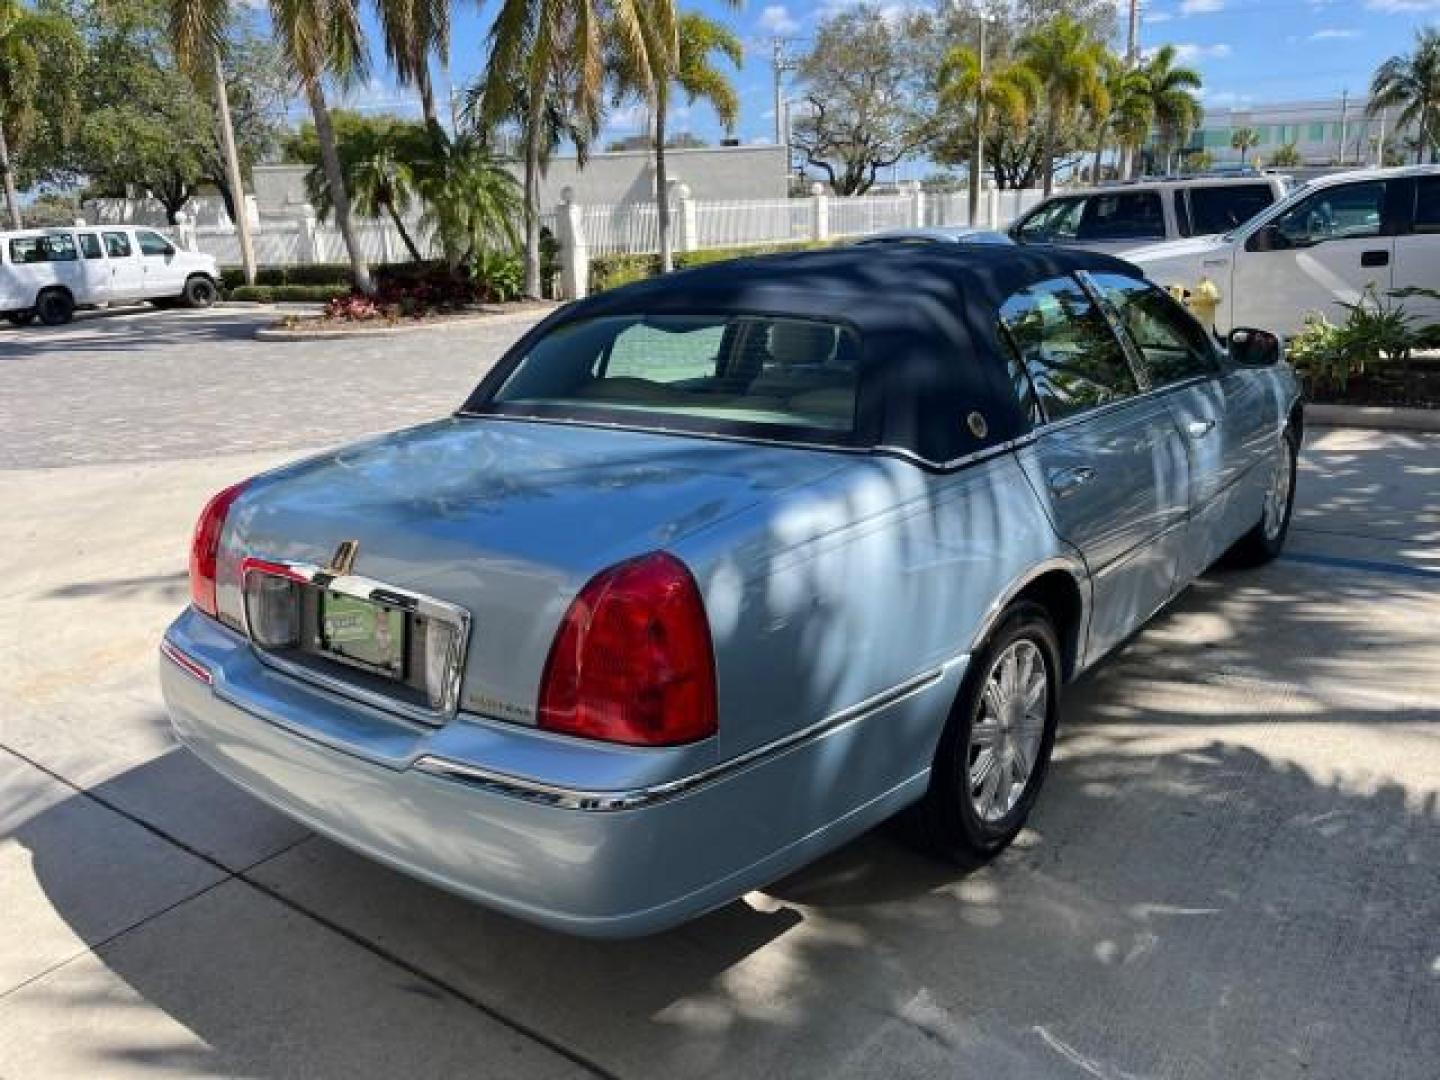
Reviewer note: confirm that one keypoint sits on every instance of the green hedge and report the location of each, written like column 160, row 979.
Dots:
column 612, row 271
column 316, row 274
column 289, row 294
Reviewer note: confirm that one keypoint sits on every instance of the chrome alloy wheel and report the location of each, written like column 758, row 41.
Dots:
column 1277, row 495
column 1006, row 734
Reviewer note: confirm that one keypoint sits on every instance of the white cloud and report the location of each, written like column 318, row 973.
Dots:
column 1403, row 6
column 1201, row 7
column 776, row 19
column 1187, row 51
column 1156, row 17
column 1225, row 99
column 1331, row 33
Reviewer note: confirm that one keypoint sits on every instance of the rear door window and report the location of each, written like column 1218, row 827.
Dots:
column 1225, row 207
column 1074, row 359
column 117, row 245
column 90, row 246
column 693, row 372
column 56, row 247
column 1427, row 204
column 152, row 243
column 1123, row 215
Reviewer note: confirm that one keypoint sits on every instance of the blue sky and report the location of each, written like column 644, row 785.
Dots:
column 1250, row 51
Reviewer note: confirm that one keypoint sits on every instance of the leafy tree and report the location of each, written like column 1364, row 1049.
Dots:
column 1412, row 83
column 1171, row 89
column 1069, row 61
column 39, row 68
column 870, row 95
column 690, row 69
column 1244, row 139
column 547, row 57
column 318, row 39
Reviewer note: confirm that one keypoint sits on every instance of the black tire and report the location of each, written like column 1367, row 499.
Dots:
column 20, row 318
column 55, row 307
column 946, row 821
column 200, row 292
column 1266, row 540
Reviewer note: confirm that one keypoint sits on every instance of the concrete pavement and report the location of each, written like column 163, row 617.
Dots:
column 1232, row 871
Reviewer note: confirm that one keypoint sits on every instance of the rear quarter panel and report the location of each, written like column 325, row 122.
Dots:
column 831, row 594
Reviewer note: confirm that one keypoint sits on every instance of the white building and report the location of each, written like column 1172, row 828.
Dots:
column 1329, row 132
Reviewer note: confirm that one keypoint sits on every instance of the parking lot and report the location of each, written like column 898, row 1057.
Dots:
column 1234, row 869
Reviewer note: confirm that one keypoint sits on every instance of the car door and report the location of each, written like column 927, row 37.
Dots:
column 1223, row 414
column 127, row 273
column 163, row 276
column 94, row 269
column 1108, row 462
column 1417, row 250
column 1325, row 249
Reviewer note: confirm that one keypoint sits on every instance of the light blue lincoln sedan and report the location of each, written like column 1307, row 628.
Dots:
column 714, row 572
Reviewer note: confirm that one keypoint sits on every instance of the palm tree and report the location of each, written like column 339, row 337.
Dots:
column 1068, row 60
column 1413, row 83
column 380, row 161
column 471, row 200
column 689, row 67
column 319, row 39
column 1172, row 99
column 414, row 30
column 38, row 52
column 1244, row 139
column 1001, row 91
column 541, row 50
column 1130, row 111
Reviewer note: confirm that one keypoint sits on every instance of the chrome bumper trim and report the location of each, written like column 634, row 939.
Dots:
column 635, row 798
column 185, row 662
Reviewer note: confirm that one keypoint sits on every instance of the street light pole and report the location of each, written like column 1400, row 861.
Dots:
column 977, row 160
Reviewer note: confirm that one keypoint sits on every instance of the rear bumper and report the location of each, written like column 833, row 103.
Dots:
column 676, row 852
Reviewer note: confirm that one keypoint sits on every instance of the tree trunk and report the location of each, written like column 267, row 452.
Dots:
column 1047, row 155
column 662, row 190
column 335, row 180
column 404, row 235
column 427, row 92
column 234, row 187
column 12, row 198
column 533, row 137
column 1099, row 153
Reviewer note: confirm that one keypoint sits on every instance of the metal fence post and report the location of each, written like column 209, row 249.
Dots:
column 574, row 252
column 820, row 219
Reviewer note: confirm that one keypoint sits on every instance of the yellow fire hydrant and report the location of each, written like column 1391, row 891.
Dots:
column 1203, row 300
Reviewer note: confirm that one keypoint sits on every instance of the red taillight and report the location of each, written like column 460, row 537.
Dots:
column 632, row 661
column 205, row 547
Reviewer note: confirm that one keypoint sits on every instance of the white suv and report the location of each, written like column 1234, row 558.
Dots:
column 48, row 273
column 1325, row 243
column 1121, row 217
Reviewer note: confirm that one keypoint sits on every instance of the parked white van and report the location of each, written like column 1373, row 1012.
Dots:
column 48, row 273
column 1323, row 244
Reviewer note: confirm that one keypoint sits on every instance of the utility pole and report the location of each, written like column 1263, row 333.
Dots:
column 1344, row 104
column 233, row 176
column 780, row 62
column 1132, row 61
column 977, row 160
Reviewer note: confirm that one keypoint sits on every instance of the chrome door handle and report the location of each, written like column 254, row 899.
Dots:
column 1198, row 429
column 1063, row 481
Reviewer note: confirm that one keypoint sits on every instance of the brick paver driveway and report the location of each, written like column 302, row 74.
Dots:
column 1232, row 872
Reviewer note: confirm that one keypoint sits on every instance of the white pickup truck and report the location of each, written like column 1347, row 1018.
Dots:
column 48, row 273
column 1321, row 245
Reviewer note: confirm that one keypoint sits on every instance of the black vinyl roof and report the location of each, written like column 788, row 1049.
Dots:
column 926, row 316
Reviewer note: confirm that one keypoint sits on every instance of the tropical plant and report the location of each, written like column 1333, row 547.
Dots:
column 548, row 57
column 1069, row 62
column 40, row 60
column 690, row 69
column 1000, row 92
column 381, row 159
column 319, row 39
column 1377, row 333
column 1285, row 157
column 414, row 30
column 1244, row 139
column 1171, row 89
column 1412, row 83
column 1128, row 112
column 472, row 202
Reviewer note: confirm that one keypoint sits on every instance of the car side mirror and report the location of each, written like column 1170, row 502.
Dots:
column 1254, row 348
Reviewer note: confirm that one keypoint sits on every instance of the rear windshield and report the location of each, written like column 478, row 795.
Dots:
column 1223, row 208
column 745, row 374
